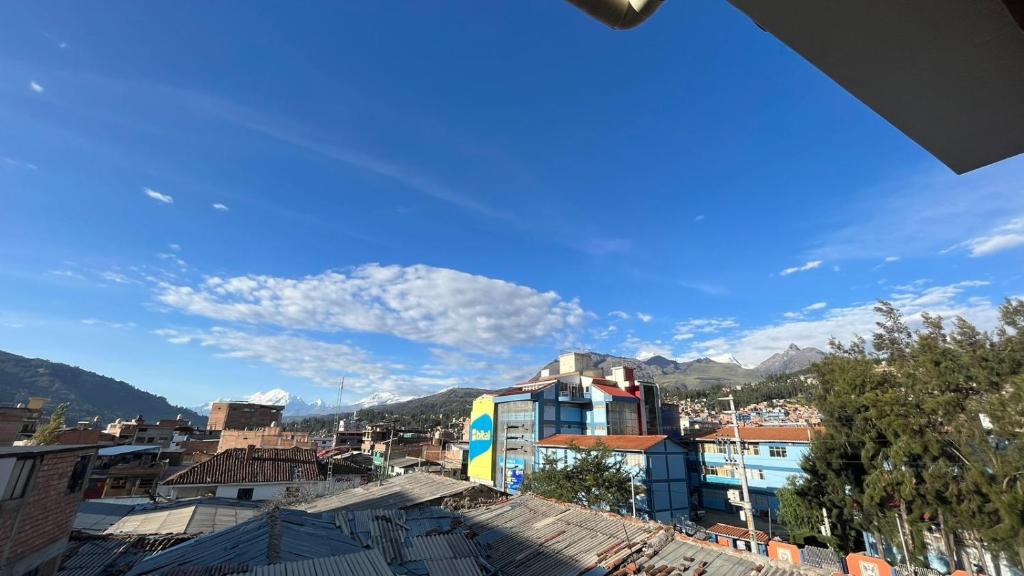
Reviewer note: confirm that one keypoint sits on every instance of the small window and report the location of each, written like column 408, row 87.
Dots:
column 777, row 451
column 751, row 450
column 755, row 474
column 118, row 483
column 77, row 479
column 18, row 482
column 244, row 494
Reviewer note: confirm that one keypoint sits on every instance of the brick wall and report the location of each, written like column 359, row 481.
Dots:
column 44, row 516
column 265, row 438
column 228, row 416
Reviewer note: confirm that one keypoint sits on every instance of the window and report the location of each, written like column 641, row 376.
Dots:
column 777, row 451
column 718, row 471
column 244, row 494
column 118, row 483
column 751, row 450
column 78, row 473
column 755, row 474
column 714, row 449
column 18, row 481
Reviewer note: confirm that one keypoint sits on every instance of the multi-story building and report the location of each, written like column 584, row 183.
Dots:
column 125, row 470
column 272, row 437
column 656, row 463
column 771, row 454
column 243, row 415
column 40, row 490
column 19, row 421
column 505, row 427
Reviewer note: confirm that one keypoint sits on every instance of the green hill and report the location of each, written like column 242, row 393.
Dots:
column 89, row 394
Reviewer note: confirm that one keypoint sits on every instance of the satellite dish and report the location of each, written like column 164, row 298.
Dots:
column 619, row 14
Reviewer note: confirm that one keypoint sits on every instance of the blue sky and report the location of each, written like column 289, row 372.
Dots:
column 209, row 203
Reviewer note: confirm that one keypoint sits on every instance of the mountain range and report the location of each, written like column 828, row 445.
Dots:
column 706, row 372
column 91, row 394
column 88, row 393
column 296, row 406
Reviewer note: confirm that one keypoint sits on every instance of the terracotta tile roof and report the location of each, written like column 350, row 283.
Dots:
column 735, row 532
column 618, row 442
column 761, row 434
column 244, row 466
column 614, row 391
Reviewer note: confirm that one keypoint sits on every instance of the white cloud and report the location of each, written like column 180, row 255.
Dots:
column 619, row 314
column 174, row 247
column 173, row 258
column 67, row 273
column 642, row 350
column 36, row 87
column 16, row 163
column 158, row 196
column 115, row 277
column 418, row 303
column 698, row 218
column 108, row 324
column 1009, row 235
column 754, row 345
column 808, row 266
column 913, row 214
column 792, row 315
column 892, row 258
column 816, row 306
column 687, row 329
column 644, row 317
column 220, row 207
column 324, row 363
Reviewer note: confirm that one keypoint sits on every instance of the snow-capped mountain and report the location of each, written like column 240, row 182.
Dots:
column 294, row 405
column 726, row 359
column 378, row 398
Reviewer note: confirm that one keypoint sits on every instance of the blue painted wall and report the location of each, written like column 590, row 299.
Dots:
column 769, row 465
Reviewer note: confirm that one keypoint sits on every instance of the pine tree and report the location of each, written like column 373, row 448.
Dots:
column 50, row 433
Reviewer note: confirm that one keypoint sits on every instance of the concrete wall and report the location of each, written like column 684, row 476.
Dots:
column 765, row 473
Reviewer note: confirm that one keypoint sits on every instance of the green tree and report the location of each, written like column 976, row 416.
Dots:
column 50, row 433
column 596, row 478
column 923, row 432
column 796, row 514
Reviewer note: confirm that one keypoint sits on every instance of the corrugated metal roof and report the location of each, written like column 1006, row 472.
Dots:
column 96, row 517
column 103, row 555
column 364, row 563
column 395, row 493
column 715, row 561
column 277, row 536
column 453, row 567
column 244, row 466
column 530, row 536
column 198, row 517
column 128, row 449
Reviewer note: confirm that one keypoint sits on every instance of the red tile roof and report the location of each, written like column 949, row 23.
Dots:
column 735, row 532
column 761, row 434
column 614, row 391
column 244, row 466
column 618, row 442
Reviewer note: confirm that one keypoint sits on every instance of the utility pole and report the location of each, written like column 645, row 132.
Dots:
column 747, row 508
column 384, row 468
column 337, row 424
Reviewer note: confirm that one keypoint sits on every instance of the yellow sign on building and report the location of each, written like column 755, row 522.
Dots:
column 481, row 440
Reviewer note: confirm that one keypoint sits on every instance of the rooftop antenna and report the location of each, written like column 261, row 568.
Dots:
column 334, row 433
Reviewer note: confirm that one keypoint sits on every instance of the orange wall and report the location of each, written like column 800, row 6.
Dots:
column 861, row 565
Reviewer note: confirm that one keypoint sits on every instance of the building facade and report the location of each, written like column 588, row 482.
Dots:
column 656, row 463
column 771, row 455
column 505, row 427
column 272, row 437
column 243, row 416
column 251, row 474
column 40, row 490
column 19, row 421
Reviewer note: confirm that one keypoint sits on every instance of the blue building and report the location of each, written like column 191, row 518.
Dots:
column 657, row 464
column 771, row 455
column 579, row 400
